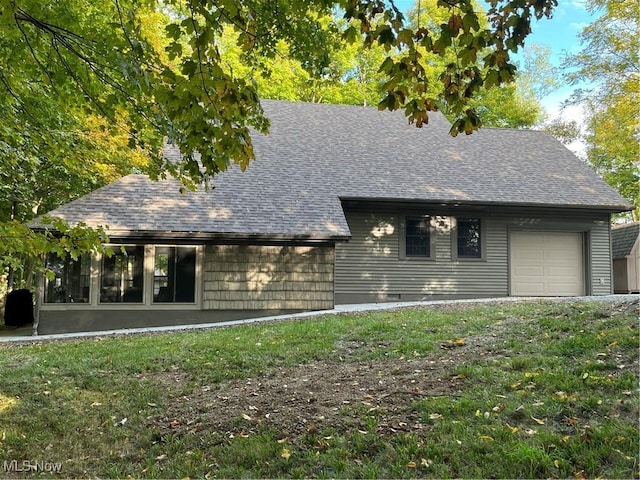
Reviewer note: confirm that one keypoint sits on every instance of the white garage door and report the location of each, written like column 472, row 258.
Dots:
column 546, row 264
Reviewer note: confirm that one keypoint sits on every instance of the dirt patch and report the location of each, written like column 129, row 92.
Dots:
column 315, row 396
column 339, row 395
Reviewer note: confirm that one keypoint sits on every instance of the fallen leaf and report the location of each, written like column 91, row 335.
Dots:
column 246, row 417
column 285, row 454
column 486, row 437
column 435, row 416
column 556, row 463
column 425, row 463
column 531, row 431
column 161, row 457
column 537, row 420
column 513, row 429
column 624, row 455
column 411, row 464
column 579, row 475
column 96, row 404
column 282, row 440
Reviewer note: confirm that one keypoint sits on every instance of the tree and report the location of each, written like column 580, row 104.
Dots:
column 352, row 74
column 610, row 64
column 86, row 59
column 513, row 104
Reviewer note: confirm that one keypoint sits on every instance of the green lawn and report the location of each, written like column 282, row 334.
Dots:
column 532, row 390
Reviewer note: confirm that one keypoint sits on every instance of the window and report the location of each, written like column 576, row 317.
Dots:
column 122, row 276
column 70, row 283
column 174, row 275
column 469, row 238
column 418, row 236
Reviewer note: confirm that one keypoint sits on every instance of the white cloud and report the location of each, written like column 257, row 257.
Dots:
column 578, row 25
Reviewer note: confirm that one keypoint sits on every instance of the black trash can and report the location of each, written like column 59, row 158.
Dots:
column 18, row 309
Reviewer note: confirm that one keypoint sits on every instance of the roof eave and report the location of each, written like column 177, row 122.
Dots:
column 227, row 237
column 472, row 203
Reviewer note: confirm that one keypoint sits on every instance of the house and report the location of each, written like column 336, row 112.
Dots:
column 343, row 204
column 625, row 250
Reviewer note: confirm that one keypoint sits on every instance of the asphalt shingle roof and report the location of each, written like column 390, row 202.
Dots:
column 623, row 238
column 318, row 154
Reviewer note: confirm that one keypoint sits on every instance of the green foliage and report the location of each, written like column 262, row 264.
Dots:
column 610, row 61
column 105, row 58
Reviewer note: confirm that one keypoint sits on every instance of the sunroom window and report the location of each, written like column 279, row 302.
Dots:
column 174, row 275
column 71, row 279
column 122, row 276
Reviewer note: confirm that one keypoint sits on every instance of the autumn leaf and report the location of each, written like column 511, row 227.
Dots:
column 537, row 420
column 285, row 453
column 411, row 464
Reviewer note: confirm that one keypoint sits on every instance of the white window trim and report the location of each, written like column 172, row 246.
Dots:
column 147, row 294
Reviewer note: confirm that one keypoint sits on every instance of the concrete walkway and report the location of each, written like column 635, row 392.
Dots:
column 23, row 334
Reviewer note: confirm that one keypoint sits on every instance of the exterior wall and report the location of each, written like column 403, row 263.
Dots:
column 620, row 276
column 84, row 320
column 250, row 277
column 369, row 268
column 627, row 272
column 233, row 282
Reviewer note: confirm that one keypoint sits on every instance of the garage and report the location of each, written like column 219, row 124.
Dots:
column 547, row 264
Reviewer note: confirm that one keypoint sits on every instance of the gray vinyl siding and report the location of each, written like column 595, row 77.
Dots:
column 370, row 266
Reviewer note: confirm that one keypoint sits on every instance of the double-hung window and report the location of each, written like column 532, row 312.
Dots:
column 469, row 238
column 418, row 236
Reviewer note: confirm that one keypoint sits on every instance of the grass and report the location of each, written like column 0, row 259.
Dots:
column 525, row 391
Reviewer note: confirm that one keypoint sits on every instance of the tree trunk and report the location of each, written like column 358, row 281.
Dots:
column 10, row 279
column 39, row 294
